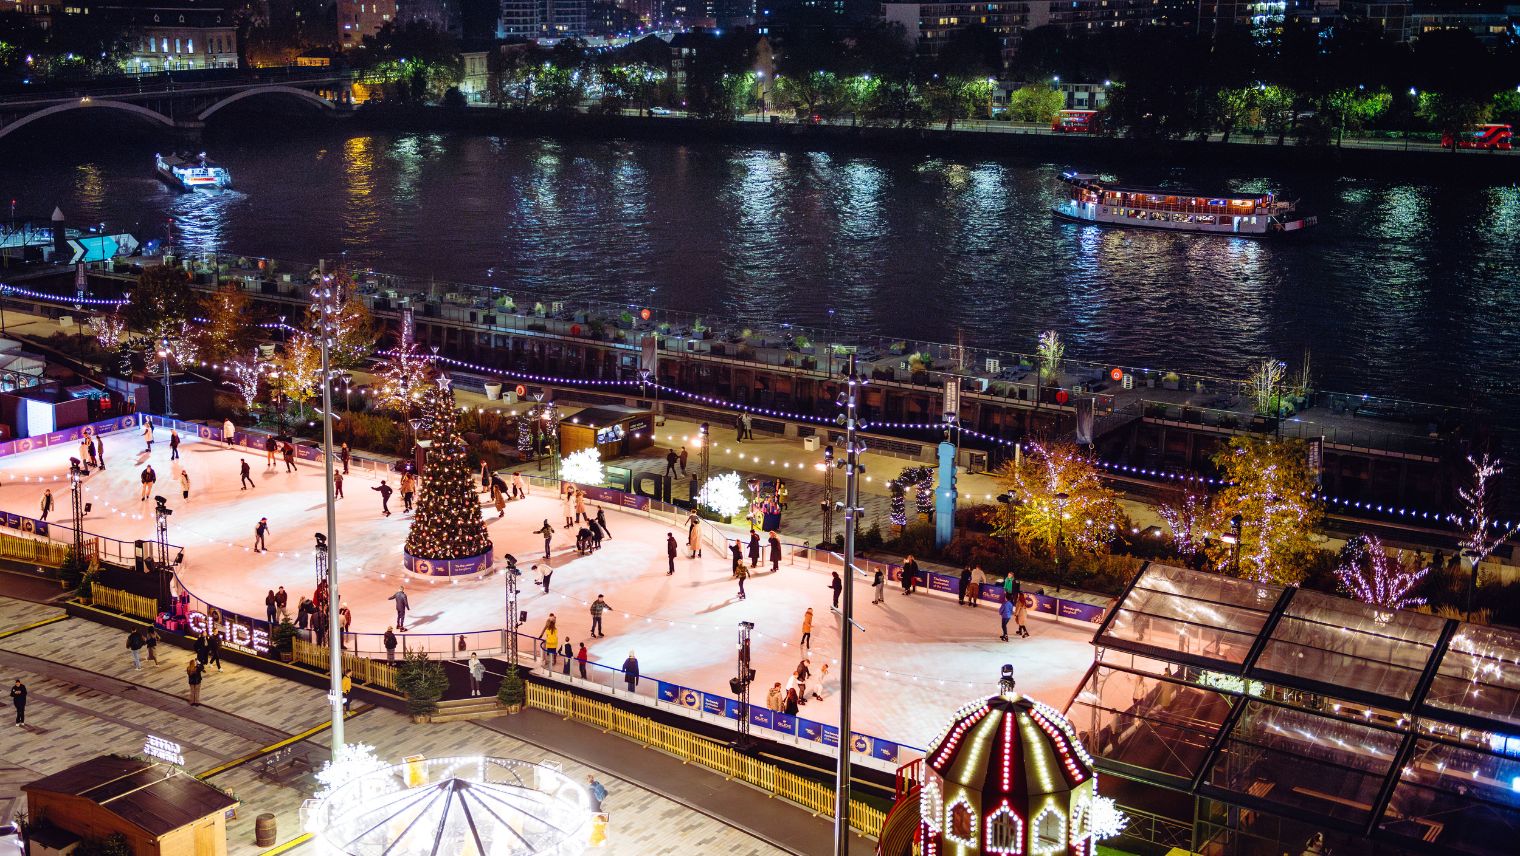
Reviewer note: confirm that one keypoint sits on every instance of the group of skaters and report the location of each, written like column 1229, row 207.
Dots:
column 312, row 614
column 559, row 652
column 789, row 698
column 501, row 492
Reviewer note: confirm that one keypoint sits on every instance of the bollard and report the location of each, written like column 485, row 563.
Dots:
column 264, row 830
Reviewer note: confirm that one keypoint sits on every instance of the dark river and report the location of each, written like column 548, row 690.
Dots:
column 1407, row 289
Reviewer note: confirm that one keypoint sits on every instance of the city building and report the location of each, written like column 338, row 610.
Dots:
column 1394, row 17
column 1261, row 17
column 542, row 19
column 1492, row 23
column 175, row 36
column 928, row 25
column 442, row 15
column 362, row 18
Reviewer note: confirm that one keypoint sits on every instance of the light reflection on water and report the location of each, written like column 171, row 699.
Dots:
column 1406, row 289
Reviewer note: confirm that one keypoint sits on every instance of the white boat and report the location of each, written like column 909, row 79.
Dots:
column 1091, row 200
column 191, row 173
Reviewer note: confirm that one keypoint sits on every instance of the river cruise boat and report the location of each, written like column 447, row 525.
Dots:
column 197, row 173
column 1091, row 200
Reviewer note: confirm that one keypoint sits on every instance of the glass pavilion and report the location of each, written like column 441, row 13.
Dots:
column 1293, row 721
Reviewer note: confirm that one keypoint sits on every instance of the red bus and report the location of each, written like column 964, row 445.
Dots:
column 1075, row 122
column 1492, row 137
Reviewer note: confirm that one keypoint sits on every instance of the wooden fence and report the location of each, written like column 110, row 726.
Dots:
column 123, row 602
column 362, row 670
column 693, row 749
column 22, row 549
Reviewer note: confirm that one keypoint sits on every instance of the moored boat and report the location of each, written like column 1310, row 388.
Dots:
column 1092, row 200
column 196, row 173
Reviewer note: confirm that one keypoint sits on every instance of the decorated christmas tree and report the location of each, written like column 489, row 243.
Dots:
column 447, row 523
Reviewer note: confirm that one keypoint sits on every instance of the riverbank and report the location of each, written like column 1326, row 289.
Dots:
column 1075, row 149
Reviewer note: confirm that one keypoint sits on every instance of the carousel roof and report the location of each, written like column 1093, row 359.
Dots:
column 1010, row 745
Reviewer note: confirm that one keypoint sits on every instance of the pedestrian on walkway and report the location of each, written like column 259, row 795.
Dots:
column 408, row 488
column 390, row 644
column 477, row 673
column 693, row 536
column 18, row 698
column 743, row 574
column 551, row 646
column 598, row 607
column 147, row 434
column 837, row 586
column 598, row 793
column 736, row 553
column 909, row 574
column 879, row 582
column 1005, row 612
column 229, row 432
column 246, row 481
column 670, row 464
column 184, row 483
column 202, row 648
column 960, row 593
column 681, row 458
column 135, row 644
column 749, row 425
column 149, row 478
column 773, row 697
column 281, row 600
column 567, row 651
column 337, row 485
column 259, row 532
column 346, row 690
column 402, row 605
column 214, row 650
column 47, row 501
column 775, row 543
column 173, row 444
column 150, row 639
column 580, row 659
column 739, row 429
column 978, row 579
column 754, row 548
column 343, row 455
column 1020, row 613
column 807, row 629
column 385, row 491
column 193, row 671
column 631, row 672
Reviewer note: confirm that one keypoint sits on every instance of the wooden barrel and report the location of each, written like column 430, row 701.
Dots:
column 264, row 830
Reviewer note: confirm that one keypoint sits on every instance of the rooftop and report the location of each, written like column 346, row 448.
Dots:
column 158, row 798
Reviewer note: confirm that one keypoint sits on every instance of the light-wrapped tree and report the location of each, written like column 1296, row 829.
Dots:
column 1271, row 488
column 447, row 523
column 1057, row 492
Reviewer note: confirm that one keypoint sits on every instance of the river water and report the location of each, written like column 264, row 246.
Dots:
column 1407, row 289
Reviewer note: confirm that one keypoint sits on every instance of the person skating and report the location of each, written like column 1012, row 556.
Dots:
column 150, row 639
column 269, row 607
column 47, row 501
column 147, row 435
column 742, row 573
column 693, row 536
column 477, row 673
column 736, row 553
column 485, row 475
column 85, row 448
column 149, row 478
column 345, row 618
column 402, row 605
column 960, row 593
column 631, row 672
column 598, row 607
column 671, row 548
column 825, row 683
column 601, row 523
column 246, row 480
column 548, row 532
column 389, row 641
column 773, row 698
column 541, row 576
column 259, row 532
column 408, row 488
column 879, row 582
column 789, row 706
column 229, row 432
column 499, row 499
column 343, row 455
column 583, row 540
column 18, row 698
column 289, row 452
column 754, row 548
column 807, row 629
column 385, row 492
column 1005, row 612
column 580, row 659
column 100, row 449
column 519, row 489
column 1021, row 612
column 135, row 644
column 271, row 446
column 909, row 574
column 671, row 459
column 567, row 505
column 173, row 444
column 738, row 429
column 775, row 544
column 580, row 506
column 804, row 671
column 184, row 483
column 337, row 485
column 193, row 671
column 281, row 601
column 978, row 579
column 551, row 646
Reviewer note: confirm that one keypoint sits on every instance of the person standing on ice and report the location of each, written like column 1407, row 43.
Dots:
column 671, row 548
column 337, row 485
column 567, row 505
column 754, row 548
column 601, row 523
column 173, row 444
column 909, row 574
column 385, row 498
column 631, row 672
column 519, row 490
column 184, row 483
column 408, row 488
column 775, row 542
column 743, row 574
column 1021, row 612
column 965, row 584
column 541, row 576
column 343, row 455
column 86, row 453
column 246, row 480
column 147, row 434
column 825, row 684
column 1005, row 612
column 402, row 605
column 259, row 532
column 229, row 432
column 580, row 505
column 100, row 447
column 693, row 536
column 807, row 629
column 47, row 501
column 548, row 532
column 978, row 579
column 551, row 646
column 148, row 479
column 598, row 607
column 879, row 582
column 837, row 585
column 773, row 698
column 737, row 554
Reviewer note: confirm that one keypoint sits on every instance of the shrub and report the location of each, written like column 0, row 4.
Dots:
column 513, row 692
column 423, row 681
column 967, row 549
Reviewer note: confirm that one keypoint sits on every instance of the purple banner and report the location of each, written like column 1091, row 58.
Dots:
column 447, row 567
column 1082, row 611
column 940, row 582
column 24, row 524
column 667, row 692
column 613, row 496
column 761, row 716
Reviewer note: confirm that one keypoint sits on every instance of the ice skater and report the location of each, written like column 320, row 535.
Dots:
column 385, row 498
column 147, row 435
column 736, row 554
column 978, row 579
column 909, row 574
column 149, row 478
column 541, row 576
column 1020, row 613
column 485, row 475
column 803, row 673
column 100, row 448
column 343, row 455
column 288, row 451
column 601, row 523
column 402, row 605
column 184, row 483
column 580, row 505
column 1005, row 612
column 775, row 550
column 519, row 490
column 259, row 532
column 693, row 536
column 337, row 485
column 879, row 582
column 229, row 432
column 807, row 629
column 47, row 501
column 173, row 444
column 271, row 445
column 671, row 548
column 837, row 585
column 598, row 607
column 741, row 574
column 246, row 479
column 86, row 452
column 754, row 548
column 408, row 488
column 548, row 532
column 567, row 505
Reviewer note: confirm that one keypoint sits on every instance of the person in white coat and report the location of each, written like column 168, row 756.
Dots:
column 228, row 431
column 477, row 673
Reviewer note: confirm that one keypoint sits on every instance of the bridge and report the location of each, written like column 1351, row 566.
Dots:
column 177, row 105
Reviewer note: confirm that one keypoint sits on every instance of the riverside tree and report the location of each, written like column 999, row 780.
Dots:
column 1271, row 489
column 1056, row 493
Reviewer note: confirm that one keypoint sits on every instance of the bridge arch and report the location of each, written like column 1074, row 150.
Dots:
column 300, row 94
column 89, row 104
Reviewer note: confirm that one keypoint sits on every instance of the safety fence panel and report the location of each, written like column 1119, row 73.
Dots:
column 124, row 602
column 361, row 670
column 22, row 549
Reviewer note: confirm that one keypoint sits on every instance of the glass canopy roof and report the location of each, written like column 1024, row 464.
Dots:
column 1395, row 724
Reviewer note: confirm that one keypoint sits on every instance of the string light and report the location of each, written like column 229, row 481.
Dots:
column 7, row 289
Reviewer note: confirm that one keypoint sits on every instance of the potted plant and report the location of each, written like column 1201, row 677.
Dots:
column 802, row 343
column 514, row 692
column 1171, row 380
column 540, row 310
column 285, row 641
column 698, row 329
column 423, row 682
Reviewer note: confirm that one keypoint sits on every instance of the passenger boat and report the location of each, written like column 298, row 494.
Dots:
column 191, row 173
column 1091, row 200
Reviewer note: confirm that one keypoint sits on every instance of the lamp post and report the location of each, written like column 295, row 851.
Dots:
column 1236, row 525
column 1061, row 499
column 827, row 505
column 77, row 506
column 163, row 354
column 852, row 512
column 510, row 647
column 704, row 442
column 323, row 297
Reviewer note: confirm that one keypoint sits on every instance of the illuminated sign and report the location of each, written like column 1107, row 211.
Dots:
column 238, row 637
column 164, row 750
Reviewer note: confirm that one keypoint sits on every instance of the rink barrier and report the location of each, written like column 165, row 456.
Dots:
column 362, row 670
column 815, row 797
column 21, row 549
column 124, row 602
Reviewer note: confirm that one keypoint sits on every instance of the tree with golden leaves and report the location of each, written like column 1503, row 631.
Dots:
column 354, row 327
column 1271, row 488
column 228, row 332
column 1057, row 492
column 298, row 369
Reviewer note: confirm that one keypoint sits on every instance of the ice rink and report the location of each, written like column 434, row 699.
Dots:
column 918, row 659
